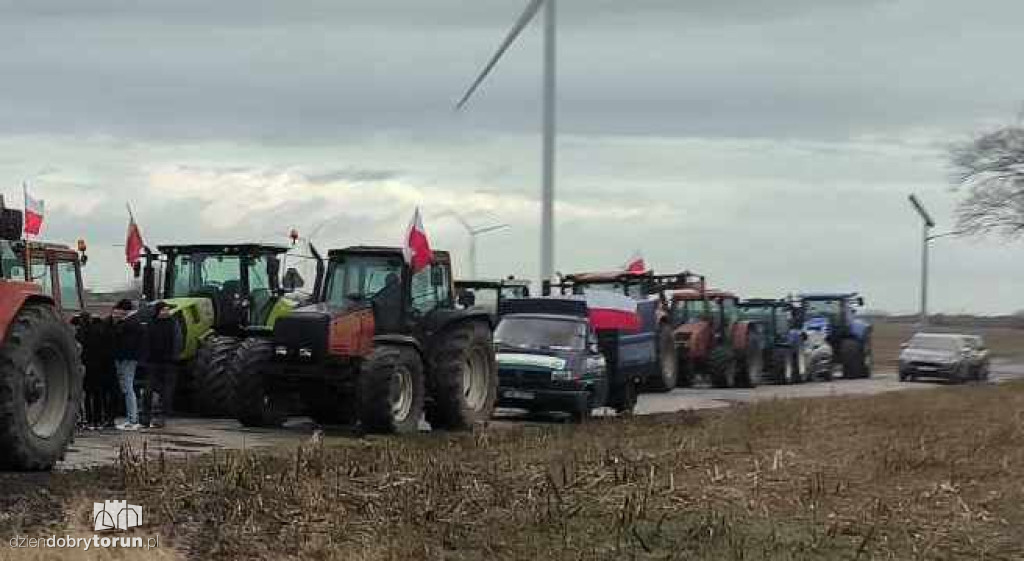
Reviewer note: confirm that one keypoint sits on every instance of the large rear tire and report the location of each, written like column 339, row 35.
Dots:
column 782, row 367
column 257, row 404
column 212, row 383
column 722, row 367
column 464, row 377
column 750, row 366
column 668, row 364
column 391, row 390
column 41, row 378
column 623, row 397
column 851, row 355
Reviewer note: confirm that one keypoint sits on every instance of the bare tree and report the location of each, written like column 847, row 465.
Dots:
column 991, row 169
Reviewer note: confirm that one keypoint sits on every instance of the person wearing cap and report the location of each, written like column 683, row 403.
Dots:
column 127, row 336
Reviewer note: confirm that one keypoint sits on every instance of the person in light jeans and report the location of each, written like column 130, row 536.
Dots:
column 127, row 347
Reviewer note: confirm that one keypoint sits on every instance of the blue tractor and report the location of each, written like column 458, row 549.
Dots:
column 849, row 336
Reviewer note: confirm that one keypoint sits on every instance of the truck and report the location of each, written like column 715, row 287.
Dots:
column 550, row 358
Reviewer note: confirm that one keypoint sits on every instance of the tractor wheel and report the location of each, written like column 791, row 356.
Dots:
column 623, row 398
column 257, row 405
column 782, row 367
column 685, row 369
column 722, row 368
column 801, row 371
column 668, row 375
column 465, row 378
column 41, row 378
column 329, row 406
column 851, row 355
column 391, row 390
column 212, row 383
column 750, row 366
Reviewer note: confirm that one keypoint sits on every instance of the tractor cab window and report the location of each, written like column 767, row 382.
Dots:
column 730, row 310
column 197, row 272
column 515, row 292
column 67, row 276
column 259, row 276
column 11, row 262
column 41, row 275
column 430, row 288
column 355, row 280
column 828, row 309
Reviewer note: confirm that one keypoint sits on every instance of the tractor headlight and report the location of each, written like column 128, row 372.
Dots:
column 561, row 375
column 305, row 352
column 281, row 350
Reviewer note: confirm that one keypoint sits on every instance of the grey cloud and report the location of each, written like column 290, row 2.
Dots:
column 353, row 176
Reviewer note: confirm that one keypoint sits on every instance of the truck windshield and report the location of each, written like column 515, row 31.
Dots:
column 356, row 279
column 541, row 333
column 195, row 272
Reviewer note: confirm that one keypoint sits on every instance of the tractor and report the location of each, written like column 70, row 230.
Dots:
column 41, row 372
column 382, row 346
column 850, row 337
column 219, row 295
column 784, row 358
column 713, row 340
column 491, row 295
column 648, row 353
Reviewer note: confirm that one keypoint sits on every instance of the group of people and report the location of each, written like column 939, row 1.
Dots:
column 129, row 367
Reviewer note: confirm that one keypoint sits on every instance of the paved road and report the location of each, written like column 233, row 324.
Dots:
column 184, row 437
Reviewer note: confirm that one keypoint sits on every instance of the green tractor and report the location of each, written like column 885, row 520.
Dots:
column 218, row 295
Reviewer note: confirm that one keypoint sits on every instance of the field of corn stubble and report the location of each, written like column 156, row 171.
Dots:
column 909, row 475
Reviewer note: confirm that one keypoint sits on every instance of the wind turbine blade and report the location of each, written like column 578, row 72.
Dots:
column 486, row 229
column 524, row 19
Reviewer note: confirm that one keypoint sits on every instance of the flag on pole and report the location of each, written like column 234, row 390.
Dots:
column 133, row 244
column 635, row 264
column 33, row 213
column 417, row 248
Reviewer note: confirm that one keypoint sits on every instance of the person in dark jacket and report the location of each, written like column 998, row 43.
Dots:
column 163, row 344
column 101, row 385
column 128, row 342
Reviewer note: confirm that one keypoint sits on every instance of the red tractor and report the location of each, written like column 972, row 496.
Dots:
column 41, row 372
column 382, row 346
column 713, row 342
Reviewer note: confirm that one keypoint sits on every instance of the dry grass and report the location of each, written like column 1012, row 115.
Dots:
column 911, row 475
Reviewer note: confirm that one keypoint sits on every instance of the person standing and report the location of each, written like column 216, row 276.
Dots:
column 163, row 343
column 127, row 336
column 100, row 380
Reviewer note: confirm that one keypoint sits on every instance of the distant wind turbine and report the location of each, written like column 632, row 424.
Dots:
column 547, row 229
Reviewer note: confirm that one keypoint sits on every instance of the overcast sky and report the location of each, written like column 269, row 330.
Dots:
column 769, row 145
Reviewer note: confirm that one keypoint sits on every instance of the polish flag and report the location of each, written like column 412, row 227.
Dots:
column 133, row 242
column 612, row 311
column 417, row 248
column 33, row 214
column 635, row 264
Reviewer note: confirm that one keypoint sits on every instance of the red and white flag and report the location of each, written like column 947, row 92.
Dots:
column 133, row 243
column 608, row 310
column 635, row 264
column 417, row 247
column 33, row 214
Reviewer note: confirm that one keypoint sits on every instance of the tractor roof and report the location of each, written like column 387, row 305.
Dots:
column 375, row 250
column 710, row 294
column 826, row 295
column 612, row 276
column 762, row 302
column 491, row 283
column 226, row 249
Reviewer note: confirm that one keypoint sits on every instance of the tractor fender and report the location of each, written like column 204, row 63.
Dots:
column 14, row 295
column 401, row 340
column 861, row 330
column 695, row 338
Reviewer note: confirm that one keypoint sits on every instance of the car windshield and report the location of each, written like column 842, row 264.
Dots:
column 540, row 333
column 355, row 279
column 936, row 343
column 196, row 272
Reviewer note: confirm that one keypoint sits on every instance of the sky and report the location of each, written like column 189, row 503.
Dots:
column 770, row 146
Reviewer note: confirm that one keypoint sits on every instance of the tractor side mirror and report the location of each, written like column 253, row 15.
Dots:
column 292, row 280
